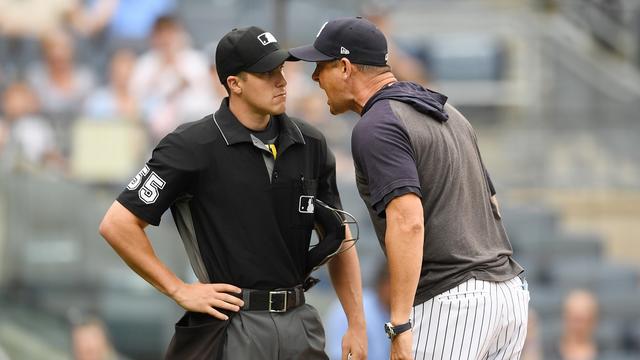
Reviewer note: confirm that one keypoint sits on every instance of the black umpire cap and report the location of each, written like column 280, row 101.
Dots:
column 356, row 39
column 249, row 49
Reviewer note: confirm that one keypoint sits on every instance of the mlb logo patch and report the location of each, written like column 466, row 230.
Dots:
column 305, row 205
column 267, row 38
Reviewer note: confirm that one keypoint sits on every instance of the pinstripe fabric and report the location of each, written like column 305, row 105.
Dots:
column 475, row 320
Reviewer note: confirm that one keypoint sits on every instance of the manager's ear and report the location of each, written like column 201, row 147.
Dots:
column 234, row 84
column 346, row 68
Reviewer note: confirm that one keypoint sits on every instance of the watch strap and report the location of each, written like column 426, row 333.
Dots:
column 393, row 331
column 399, row 329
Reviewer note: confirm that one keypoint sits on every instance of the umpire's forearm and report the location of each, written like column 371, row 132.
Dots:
column 404, row 239
column 344, row 270
column 125, row 233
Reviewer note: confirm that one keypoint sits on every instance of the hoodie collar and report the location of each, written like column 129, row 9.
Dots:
column 422, row 99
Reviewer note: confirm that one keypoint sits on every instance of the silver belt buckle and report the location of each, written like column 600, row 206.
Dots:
column 284, row 302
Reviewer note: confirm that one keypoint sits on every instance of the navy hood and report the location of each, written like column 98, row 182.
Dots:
column 423, row 100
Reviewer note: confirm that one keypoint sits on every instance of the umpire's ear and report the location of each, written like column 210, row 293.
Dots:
column 234, row 84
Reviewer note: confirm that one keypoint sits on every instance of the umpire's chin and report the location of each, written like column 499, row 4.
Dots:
column 279, row 104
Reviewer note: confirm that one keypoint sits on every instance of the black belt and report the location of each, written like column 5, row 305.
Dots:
column 280, row 300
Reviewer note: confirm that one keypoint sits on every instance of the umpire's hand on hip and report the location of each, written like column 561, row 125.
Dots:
column 401, row 346
column 205, row 298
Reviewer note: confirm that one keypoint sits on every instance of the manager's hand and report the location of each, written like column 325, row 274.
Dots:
column 205, row 298
column 401, row 346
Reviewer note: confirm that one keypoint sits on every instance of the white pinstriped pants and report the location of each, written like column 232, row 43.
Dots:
column 475, row 320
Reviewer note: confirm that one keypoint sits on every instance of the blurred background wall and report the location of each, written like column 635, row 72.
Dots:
column 89, row 87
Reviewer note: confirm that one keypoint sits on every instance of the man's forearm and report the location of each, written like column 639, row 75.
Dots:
column 404, row 252
column 131, row 243
column 345, row 276
column 404, row 239
column 143, row 260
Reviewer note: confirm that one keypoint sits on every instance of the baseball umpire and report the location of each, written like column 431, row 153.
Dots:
column 240, row 184
column 455, row 289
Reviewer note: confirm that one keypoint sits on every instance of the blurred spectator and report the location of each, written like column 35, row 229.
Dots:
column 132, row 21
column 27, row 141
column 376, row 304
column 532, row 349
column 219, row 92
column 171, row 81
column 61, row 85
column 580, row 315
column 22, row 22
column 115, row 101
column 90, row 341
column 95, row 15
column 405, row 66
column 35, row 18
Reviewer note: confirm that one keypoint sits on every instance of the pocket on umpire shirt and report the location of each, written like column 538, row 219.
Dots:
column 197, row 336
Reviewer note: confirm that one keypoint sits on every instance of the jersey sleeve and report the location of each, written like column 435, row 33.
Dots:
column 166, row 176
column 382, row 150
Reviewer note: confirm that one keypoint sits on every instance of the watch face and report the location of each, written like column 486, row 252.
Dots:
column 388, row 328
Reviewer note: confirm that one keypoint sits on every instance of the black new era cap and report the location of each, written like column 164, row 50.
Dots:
column 356, row 39
column 248, row 49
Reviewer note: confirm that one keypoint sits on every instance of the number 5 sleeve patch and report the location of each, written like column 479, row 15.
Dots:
column 166, row 176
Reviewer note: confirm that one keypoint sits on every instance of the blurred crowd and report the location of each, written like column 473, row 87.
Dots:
column 65, row 62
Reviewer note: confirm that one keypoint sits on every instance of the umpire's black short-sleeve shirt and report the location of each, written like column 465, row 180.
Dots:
column 239, row 225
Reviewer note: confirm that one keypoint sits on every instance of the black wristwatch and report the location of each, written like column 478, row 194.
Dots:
column 393, row 331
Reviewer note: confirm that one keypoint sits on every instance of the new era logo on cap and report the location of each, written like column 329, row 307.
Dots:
column 267, row 38
column 344, row 51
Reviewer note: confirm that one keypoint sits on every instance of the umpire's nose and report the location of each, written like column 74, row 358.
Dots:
column 281, row 81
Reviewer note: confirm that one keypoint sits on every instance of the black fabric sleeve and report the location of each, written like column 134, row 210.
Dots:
column 382, row 150
column 164, row 177
column 380, row 206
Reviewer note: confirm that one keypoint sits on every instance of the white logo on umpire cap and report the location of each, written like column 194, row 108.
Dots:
column 344, row 51
column 267, row 38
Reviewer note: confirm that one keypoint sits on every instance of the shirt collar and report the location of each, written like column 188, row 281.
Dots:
column 234, row 132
